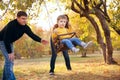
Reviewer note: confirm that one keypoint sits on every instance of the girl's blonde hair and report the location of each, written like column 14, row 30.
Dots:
column 64, row 16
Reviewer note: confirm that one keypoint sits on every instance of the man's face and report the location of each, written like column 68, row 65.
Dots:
column 62, row 22
column 22, row 20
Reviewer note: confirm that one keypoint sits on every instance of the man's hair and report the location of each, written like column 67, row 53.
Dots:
column 21, row 13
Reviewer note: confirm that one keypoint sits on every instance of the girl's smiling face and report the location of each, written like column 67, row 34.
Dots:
column 62, row 23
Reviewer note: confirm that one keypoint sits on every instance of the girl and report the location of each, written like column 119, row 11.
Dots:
column 65, row 53
column 69, row 42
column 54, row 54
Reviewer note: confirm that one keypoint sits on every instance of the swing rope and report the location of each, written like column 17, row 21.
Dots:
column 48, row 14
column 49, row 17
column 57, row 1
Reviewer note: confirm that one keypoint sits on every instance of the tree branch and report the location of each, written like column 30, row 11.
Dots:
column 105, row 15
column 104, row 11
column 104, row 5
column 73, row 8
column 100, row 4
column 86, row 4
column 79, row 5
column 116, row 29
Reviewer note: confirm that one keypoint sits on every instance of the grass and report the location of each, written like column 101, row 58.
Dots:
column 89, row 68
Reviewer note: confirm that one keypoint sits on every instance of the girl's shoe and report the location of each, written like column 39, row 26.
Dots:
column 88, row 44
column 51, row 73
column 75, row 50
column 69, row 69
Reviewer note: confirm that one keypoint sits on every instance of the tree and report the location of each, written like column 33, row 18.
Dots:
column 86, row 8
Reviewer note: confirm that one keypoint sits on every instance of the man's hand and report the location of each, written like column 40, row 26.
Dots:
column 44, row 42
column 11, row 56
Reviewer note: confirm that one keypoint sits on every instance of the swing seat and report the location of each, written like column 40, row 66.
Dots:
column 57, row 42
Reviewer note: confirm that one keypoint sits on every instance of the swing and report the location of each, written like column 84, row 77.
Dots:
column 58, row 46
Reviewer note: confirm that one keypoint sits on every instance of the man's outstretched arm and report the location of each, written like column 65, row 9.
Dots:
column 29, row 32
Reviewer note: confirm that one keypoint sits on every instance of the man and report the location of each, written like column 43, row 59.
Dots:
column 9, row 34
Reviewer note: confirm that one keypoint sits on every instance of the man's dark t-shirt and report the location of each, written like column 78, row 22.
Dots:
column 13, row 31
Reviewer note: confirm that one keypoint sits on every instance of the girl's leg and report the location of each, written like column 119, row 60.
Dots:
column 52, row 62
column 53, row 58
column 78, row 42
column 67, row 59
column 69, row 44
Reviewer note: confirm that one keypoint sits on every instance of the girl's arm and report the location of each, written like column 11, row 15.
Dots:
column 55, row 31
column 54, row 35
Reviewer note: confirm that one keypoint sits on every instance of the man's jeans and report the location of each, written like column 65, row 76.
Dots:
column 71, row 42
column 8, row 65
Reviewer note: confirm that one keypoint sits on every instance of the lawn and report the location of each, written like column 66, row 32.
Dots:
column 89, row 68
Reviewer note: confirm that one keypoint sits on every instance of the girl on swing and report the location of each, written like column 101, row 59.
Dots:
column 69, row 42
column 63, row 27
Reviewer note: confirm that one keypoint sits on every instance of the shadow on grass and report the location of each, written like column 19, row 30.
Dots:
column 64, row 76
column 83, row 76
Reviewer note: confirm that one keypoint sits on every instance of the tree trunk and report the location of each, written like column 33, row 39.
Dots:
column 109, row 58
column 84, row 53
column 98, row 34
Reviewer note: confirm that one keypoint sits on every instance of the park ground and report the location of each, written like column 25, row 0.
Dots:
column 90, row 68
